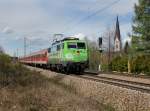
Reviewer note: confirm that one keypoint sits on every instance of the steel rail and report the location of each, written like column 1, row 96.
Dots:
column 123, row 80
column 137, row 86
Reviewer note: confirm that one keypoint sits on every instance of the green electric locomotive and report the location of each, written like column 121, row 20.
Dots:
column 68, row 55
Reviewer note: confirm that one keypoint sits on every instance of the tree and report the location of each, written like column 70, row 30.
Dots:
column 108, row 40
column 94, row 55
column 126, row 48
column 141, row 27
column 108, row 48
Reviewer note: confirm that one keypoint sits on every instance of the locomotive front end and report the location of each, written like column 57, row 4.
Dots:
column 76, row 55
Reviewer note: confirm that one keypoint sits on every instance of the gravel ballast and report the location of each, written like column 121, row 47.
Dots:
column 121, row 99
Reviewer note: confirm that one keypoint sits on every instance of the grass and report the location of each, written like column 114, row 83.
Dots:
column 25, row 90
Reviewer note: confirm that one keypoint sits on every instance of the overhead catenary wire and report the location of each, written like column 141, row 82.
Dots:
column 91, row 15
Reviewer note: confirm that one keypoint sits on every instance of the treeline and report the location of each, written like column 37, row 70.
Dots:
column 135, row 57
column 125, row 61
column 120, row 62
column 139, row 64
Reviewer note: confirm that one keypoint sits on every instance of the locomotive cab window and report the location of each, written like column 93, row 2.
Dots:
column 81, row 45
column 72, row 45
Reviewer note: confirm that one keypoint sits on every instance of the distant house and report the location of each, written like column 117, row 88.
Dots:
column 117, row 38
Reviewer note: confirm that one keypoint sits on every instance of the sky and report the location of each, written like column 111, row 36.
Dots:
column 39, row 20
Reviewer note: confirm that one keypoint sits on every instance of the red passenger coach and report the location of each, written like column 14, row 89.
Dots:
column 38, row 58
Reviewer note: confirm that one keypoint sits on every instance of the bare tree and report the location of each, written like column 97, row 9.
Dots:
column 108, row 40
column 94, row 55
column 108, row 45
column 1, row 50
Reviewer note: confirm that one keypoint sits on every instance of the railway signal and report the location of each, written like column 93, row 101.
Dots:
column 100, row 42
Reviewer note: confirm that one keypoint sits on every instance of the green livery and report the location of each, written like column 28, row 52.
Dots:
column 69, row 54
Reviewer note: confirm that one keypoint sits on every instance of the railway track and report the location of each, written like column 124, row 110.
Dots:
column 138, row 86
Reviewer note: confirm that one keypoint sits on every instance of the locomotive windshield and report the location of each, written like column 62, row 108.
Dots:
column 74, row 45
column 81, row 45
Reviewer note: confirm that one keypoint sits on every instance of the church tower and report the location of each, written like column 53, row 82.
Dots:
column 117, row 39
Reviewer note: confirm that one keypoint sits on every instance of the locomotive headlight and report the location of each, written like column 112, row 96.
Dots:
column 69, row 56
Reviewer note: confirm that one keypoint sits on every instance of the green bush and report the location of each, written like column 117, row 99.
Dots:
column 141, row 64
column 104, row 67
column 12, row 73
column 119, row 63
column 5, row 62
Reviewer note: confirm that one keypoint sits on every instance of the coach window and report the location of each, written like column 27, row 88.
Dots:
column 49, row 50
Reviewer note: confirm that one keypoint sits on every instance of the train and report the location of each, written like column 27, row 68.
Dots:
column 67, row 55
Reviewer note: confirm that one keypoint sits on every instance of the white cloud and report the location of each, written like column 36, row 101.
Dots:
column 27, row 16
column 22, row 15
column 7, row 30
column 40, row 19
column 123, row 7
column 89, row 6
column 80, row 36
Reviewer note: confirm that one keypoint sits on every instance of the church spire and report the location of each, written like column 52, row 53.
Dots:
column 117, row 32
column 117, row 39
